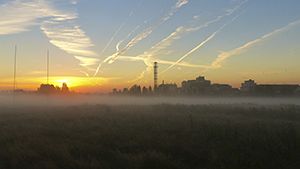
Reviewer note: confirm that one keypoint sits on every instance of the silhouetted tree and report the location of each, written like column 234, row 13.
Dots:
column 65, row 88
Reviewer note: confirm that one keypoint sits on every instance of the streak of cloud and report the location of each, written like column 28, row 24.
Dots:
column 115, row 35
column 148, row 31
column 149, row 63
column 19, row 16
column 209, row 38
column 86, row 61
column 178, row 33
column 156, row 50
column 59, row 26
column 222, row 57
column 63, row 32
column 218, row 62
column 164, row 62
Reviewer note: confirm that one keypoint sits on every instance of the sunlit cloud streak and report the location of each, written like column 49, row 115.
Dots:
column 148, row 31
column 156, row 50
column 127, row 37
column 164, row 62
column 63, row 32
column 19, row 16
column 149, row 62
column 120, row 28
column 59, row 26
column 180, row 31
column 209, row 38
column 222, row 57
column 193, row 50
column 85, row 61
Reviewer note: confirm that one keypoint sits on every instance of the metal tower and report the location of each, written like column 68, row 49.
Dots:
column 155, row 75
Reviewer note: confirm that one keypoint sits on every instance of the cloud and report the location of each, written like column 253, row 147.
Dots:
column 74, row 2
column 209, row 38
column 194, row 49
column 149, row 63
column 19, row 16
column 59, row 26
column 63, row 32
column 164, row 62
column 66, row 35
column 157, row 49
column 148, row 31
column 86, row 61
column 222, row 57
column 180, row 3
column 180, row 31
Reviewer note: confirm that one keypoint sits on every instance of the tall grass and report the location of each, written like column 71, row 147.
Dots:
column 154, row 137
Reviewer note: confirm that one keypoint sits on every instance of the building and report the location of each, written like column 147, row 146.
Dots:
column 276, row 89
column 167, row 89
column 202, row 87
column 65, row 89
column 223, row 89
column 297, row 91
column 135, row 90
column 48, row 89
column 251, row 88
column 199, row 86
column 248, row 86
column 51, row 89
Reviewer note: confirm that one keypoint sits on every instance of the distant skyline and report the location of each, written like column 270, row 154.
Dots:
column 100, row 45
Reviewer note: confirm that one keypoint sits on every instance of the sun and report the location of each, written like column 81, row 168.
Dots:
column 68, row 81
column 74, row 82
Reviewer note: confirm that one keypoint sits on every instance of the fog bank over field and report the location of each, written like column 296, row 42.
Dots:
column 38, row 100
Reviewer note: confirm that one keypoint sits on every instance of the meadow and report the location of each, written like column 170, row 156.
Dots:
column 159, row 136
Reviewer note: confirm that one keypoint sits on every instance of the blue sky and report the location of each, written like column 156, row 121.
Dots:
column 210, row 38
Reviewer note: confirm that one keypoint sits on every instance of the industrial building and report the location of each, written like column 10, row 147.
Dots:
column 202, row 87
column 250, row 87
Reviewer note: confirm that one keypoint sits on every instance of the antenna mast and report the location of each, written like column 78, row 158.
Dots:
column 47, row 66
column 15, row 68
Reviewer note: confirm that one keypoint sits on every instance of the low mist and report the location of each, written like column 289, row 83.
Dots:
column 39, row 100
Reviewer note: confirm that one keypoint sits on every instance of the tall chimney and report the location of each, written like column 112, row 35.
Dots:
column 155, row 76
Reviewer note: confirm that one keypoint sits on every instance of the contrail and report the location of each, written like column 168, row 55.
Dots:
column 119, row 29
column 181, row 30
column 166, row 42
column 165, row 62
column 127, row 37
column 217, row 63
column 199, row 46
column 144, row 34
column 114, row 36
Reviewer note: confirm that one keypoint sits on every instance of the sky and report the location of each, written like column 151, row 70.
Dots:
column 98, row 45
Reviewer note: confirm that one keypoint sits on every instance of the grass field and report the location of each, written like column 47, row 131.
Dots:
column 150, row 137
